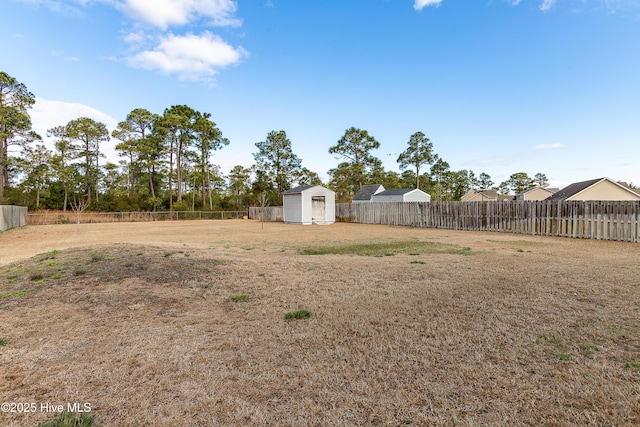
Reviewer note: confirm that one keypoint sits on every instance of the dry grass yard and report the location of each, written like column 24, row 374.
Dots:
column 183, row 324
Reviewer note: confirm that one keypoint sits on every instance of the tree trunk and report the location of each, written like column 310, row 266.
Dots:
column 97, row 169
column 193, row 195
column 66, row 197
column 4, row 174
column 171, row 179
column 150, row 171
column 132, row 177
column 209, row 189
column 179, row 169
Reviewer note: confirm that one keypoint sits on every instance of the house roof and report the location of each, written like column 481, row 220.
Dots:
column 396, row 192
column 492, row 194
column 299, row 189
column 550, row 190
column 366, row 191
column 577, row 187
column 485, row 194
column 573, row 189
column 401, row 192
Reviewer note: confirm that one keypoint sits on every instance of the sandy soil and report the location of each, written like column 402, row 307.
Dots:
column 136, row 320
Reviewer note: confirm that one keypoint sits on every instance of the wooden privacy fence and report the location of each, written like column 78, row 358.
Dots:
column 606, row 220
column 268, row 213
column 71, row 217
column 12, row 216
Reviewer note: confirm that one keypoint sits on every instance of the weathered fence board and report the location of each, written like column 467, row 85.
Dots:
column 70, row 217
column 604, row 220
column 12, row 217
column 267, row 213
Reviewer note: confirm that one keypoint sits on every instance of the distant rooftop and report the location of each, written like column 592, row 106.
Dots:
column 366, row 191
column 395, row 192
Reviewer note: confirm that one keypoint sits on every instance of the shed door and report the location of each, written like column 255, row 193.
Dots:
column 317, row 208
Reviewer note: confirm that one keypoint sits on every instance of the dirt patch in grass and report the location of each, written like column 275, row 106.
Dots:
column 101, row 265
column 149, row 333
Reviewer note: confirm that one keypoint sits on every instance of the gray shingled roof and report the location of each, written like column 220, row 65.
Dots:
column 573, row 189
column 366, row 191
column 298, row 189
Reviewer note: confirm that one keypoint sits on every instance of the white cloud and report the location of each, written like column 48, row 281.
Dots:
column 546, row 5
column 47, row 114
column 191, row 56
column 420, row 4
column 135, row 38
column 165, row 13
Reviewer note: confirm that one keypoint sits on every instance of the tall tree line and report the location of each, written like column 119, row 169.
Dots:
column 166, row 163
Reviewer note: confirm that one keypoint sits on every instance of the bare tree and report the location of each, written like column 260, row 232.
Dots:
column 263, row 202
column 79, row 204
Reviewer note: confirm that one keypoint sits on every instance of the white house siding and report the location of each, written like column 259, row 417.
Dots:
column 417, row 196
column 411, row 196
column 292, row 208
column 384, row 199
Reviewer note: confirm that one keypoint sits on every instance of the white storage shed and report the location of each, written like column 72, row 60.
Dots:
column 309, row 204
column 407, row 195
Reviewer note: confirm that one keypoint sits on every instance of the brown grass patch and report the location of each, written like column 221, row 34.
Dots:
column 149, row 334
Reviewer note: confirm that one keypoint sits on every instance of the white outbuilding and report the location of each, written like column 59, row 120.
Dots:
column 309, row 204
column 407, row 195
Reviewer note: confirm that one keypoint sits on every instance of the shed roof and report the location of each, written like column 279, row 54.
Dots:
column 299, row 189
column 366, row 191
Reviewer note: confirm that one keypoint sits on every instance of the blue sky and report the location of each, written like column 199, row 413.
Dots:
column 499, row 86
